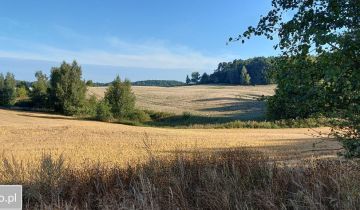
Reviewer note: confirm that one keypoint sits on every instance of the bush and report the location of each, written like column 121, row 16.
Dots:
column 155, row 115
column 138, row 116
column 103, row 111
column 186, row 115
column 120, row 98
column 89, row 107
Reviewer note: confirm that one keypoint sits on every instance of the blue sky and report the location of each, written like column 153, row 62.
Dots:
column 137, row 39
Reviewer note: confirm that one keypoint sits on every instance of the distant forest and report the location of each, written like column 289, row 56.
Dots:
column 160, row 83
column 254, row 71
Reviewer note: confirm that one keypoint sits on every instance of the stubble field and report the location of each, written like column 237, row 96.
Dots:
column 27, row 136
column 234, row 102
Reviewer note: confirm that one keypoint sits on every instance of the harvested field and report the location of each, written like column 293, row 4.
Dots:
column 27, row 136
column 235, row 102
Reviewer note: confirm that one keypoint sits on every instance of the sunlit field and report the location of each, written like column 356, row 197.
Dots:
column 235, row 102
column 27, row 136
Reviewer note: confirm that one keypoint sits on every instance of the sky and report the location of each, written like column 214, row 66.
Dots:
column 136, row 39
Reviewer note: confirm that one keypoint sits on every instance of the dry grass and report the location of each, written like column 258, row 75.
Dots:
column 28, row 135
column 230, row 179
column 236, row 102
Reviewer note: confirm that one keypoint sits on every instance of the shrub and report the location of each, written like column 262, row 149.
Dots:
column 186, row 115
column 88, row 109
column 103, row 111
column 138, row 116
column 155, row 115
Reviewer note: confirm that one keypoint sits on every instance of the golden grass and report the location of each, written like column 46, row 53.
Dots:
column 28, row 135
column 238, row 102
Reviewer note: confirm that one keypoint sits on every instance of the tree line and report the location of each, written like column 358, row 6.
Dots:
column 254, row 71
column 65, row 92
column 159, row 83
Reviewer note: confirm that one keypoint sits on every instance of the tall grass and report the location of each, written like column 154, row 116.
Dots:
column 232, row 179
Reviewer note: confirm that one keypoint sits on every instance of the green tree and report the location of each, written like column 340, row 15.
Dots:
column 195, row 77
column 2, row 86
column 21, row 92
column 120, row 98
column 67, row 89
column 244, row 77
column 330, row 30
column 8, row 89
column 103, row 111
column 40, row 88
column 90, row 83
column 187, row 79
column 205, row 78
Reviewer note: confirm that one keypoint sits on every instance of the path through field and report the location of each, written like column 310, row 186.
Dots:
column 27, row 135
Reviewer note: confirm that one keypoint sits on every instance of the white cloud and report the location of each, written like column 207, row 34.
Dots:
column 117, row 52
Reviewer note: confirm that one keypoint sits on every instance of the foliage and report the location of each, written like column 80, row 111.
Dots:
column 160, row 83
column 120, row 98
column 88, row 109
column 21, row 93
column 2, row 85
column 259, row 71
column 300, row 91
column 329, row 30
column 195, row 77
column 67, row 90
column 103, row 111
column 7, row 89
column 90, row 83
column 245, row 77
column 205, row 78
column 40, row 90
column 138, row 116
column 187, row 80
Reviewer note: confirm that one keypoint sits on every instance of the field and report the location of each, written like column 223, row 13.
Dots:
column 27, row 136
column 233, row 102
column 68, row 163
